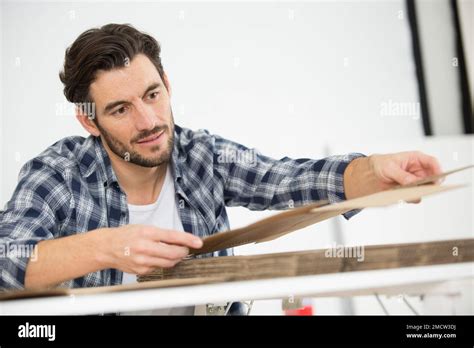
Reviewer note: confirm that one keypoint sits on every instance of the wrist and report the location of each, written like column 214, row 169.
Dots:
column 101, row 242
column 358, row 177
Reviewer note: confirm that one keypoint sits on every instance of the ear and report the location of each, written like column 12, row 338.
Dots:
column 166, row 81
column 87, row 121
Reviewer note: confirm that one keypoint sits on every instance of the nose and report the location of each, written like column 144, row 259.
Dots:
column 144, row 116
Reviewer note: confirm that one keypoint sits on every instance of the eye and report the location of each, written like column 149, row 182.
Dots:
column 120, row 111
column 153, row 95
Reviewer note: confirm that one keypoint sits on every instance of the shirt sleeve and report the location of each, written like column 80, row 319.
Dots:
column 39, row 201
column 259, row 182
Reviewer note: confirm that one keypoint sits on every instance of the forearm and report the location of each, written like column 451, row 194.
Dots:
column 62, row 259
column 282, row 184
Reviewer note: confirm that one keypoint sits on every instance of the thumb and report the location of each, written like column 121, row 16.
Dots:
column 401, row 176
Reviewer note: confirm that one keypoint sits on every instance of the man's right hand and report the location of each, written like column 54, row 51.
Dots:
column 139, row 249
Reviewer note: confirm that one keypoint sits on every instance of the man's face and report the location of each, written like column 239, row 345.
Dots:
column 133, row 113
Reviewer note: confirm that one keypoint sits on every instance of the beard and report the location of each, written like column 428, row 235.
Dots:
column 127, row 152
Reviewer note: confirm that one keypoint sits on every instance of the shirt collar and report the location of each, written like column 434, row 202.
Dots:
column 94, row 160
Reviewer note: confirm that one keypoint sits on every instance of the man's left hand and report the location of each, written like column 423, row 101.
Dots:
column 367, row 175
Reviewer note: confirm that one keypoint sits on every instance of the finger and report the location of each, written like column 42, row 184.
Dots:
column 400, row 176
column 430, row 163
column 149, row 263
column 167, row 251
column 431, row 167
column 177, row 237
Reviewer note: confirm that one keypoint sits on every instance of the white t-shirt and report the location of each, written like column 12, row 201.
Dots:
column 163, row 213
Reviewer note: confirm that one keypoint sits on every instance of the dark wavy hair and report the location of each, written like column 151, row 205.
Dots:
column 111, row 46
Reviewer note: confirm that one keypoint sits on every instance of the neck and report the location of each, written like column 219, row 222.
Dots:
column 142, row 185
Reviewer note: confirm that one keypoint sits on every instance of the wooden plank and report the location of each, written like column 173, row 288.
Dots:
column 321, row 261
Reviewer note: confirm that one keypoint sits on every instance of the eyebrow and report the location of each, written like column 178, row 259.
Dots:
column 112, row 105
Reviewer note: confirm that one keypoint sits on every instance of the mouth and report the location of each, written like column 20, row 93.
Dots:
column 155, row 138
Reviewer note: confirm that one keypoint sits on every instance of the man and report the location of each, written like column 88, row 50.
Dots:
column 140, row 191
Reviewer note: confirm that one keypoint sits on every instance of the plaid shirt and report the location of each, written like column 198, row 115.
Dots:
column 71, row 188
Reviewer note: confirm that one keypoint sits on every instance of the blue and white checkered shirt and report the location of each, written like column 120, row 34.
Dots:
column 71, row 188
